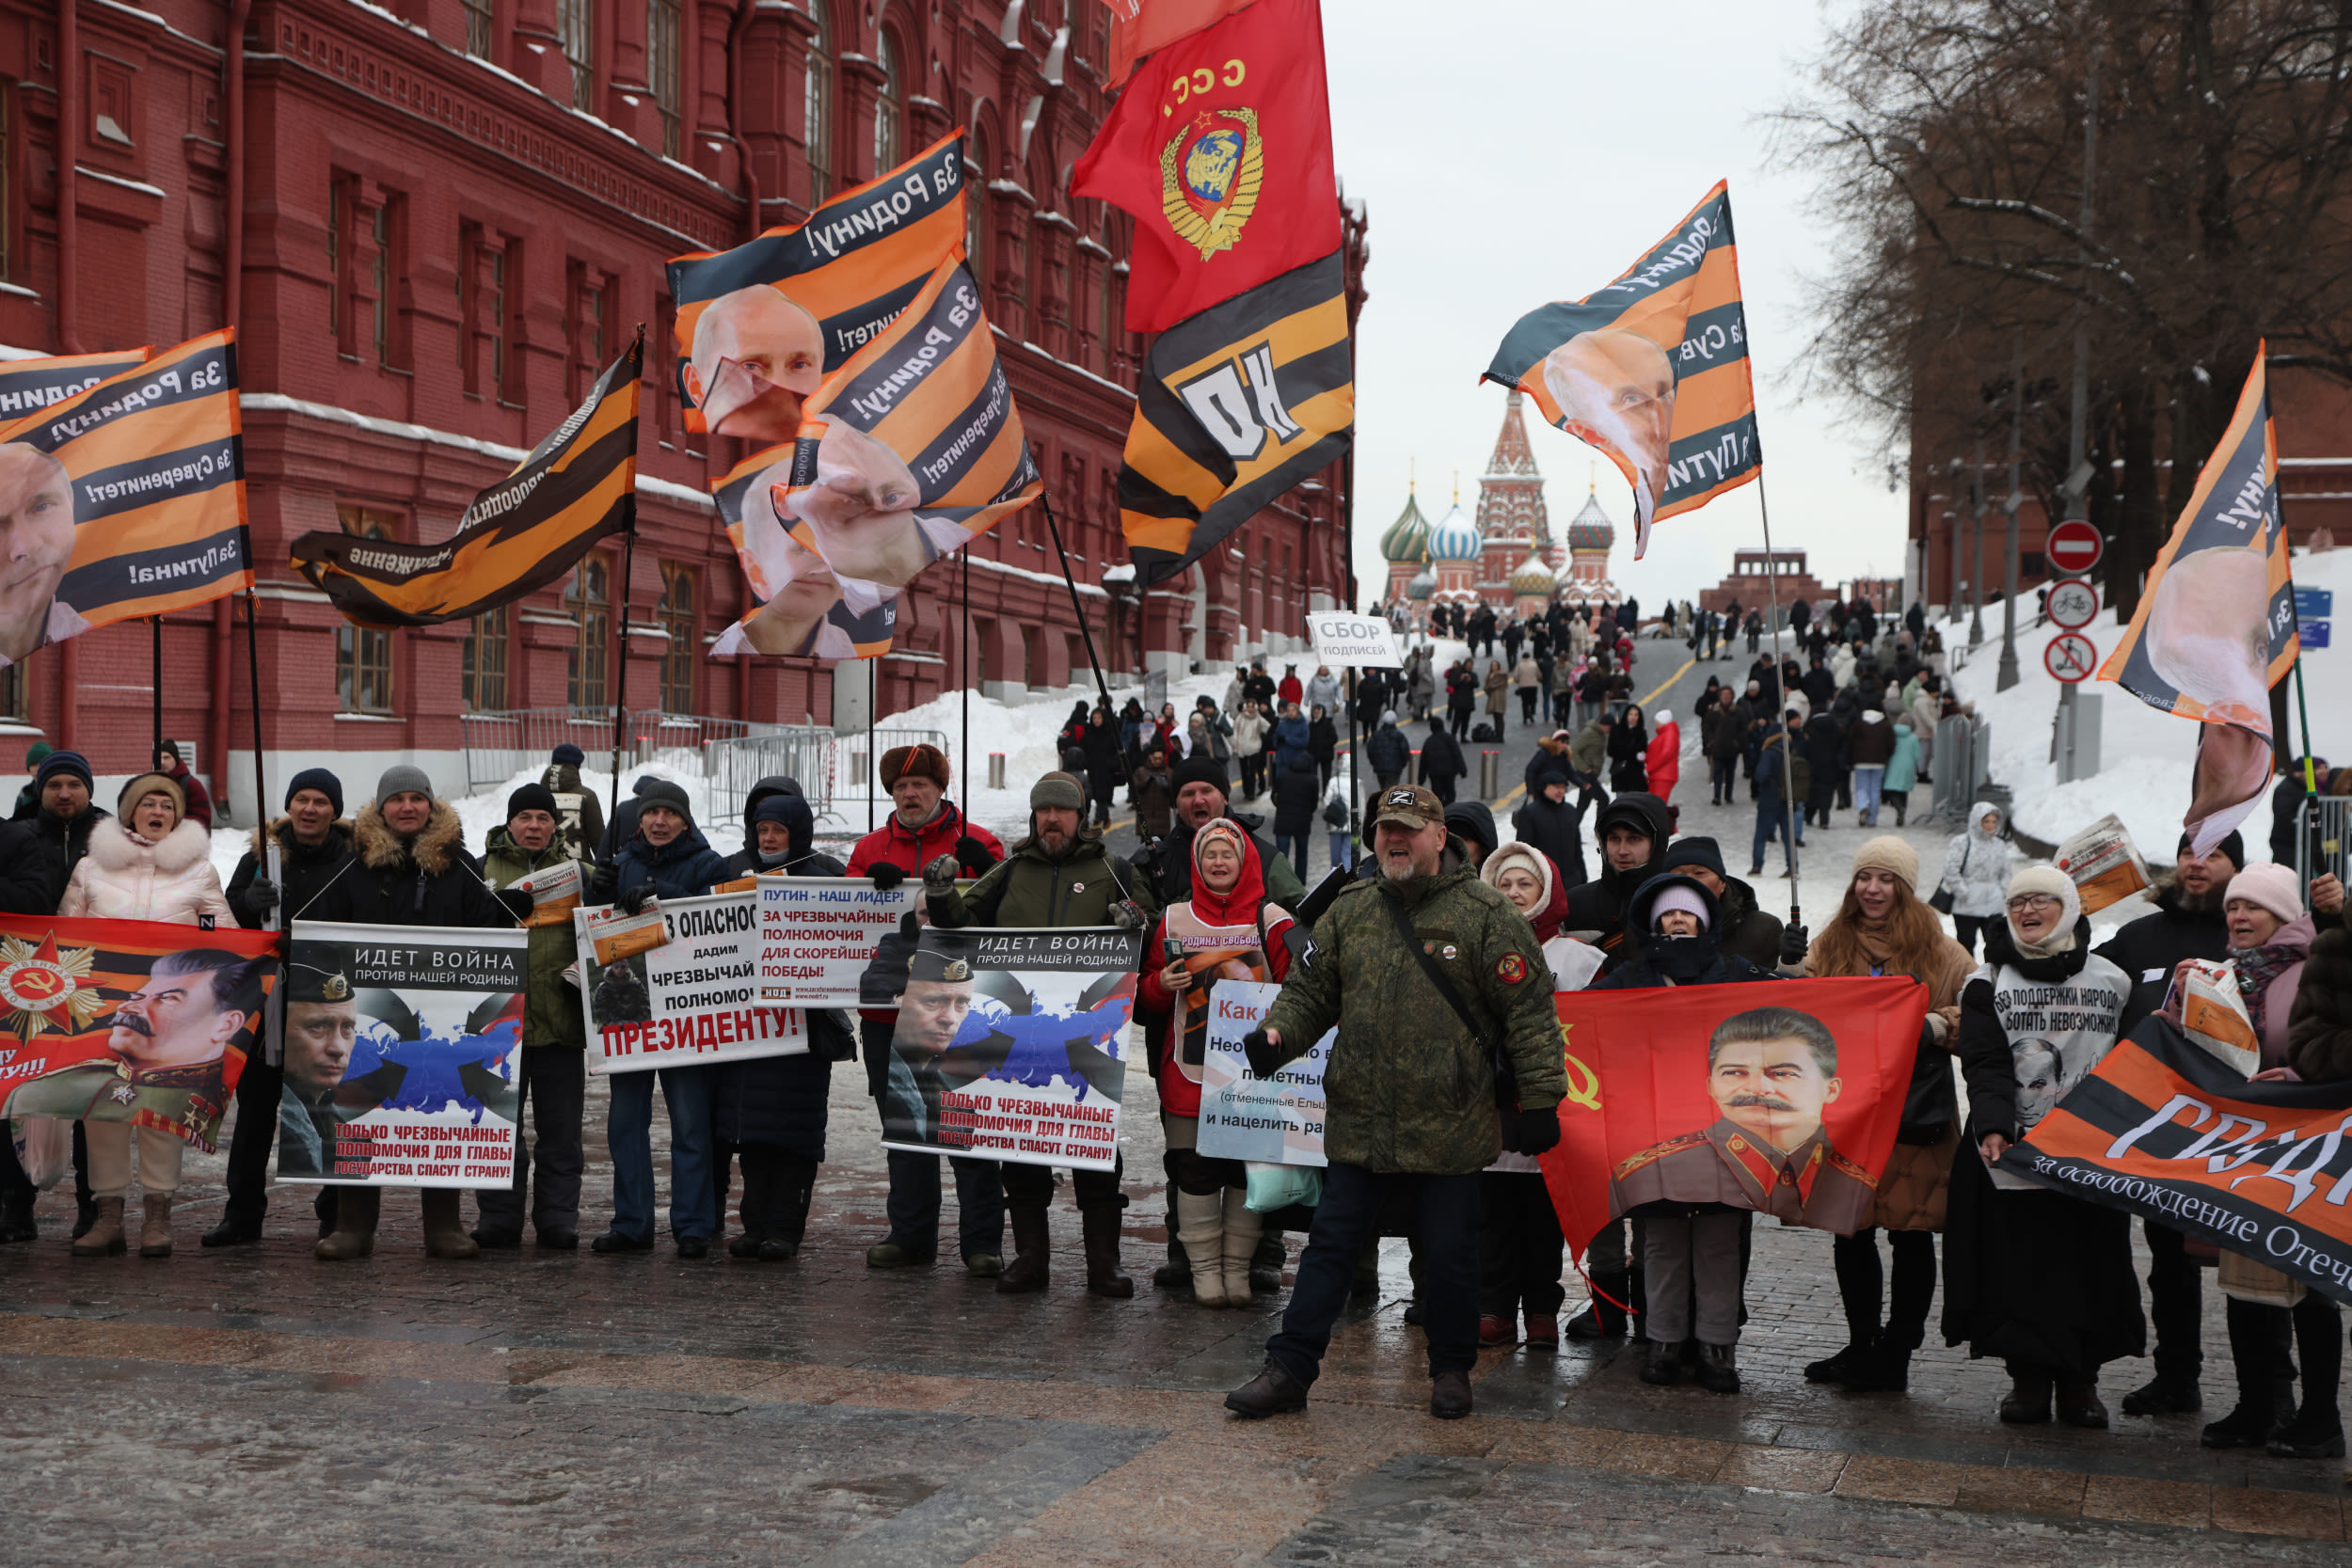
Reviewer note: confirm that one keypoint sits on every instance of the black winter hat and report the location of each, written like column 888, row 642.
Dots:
column 1199, row 770
column 2234, row 845
column 1472, row 820
column 567, row 756
column 530, row 797
column 324, row 783
column 1701, row 852
column 661, row 792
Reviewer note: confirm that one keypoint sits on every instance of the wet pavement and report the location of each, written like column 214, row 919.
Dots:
column 252, row 1404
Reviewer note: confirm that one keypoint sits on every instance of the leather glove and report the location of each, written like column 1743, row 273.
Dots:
column 518, row 901
column 633, row 901
column 1534, row 1129
column 888, row 876
column 971, row 852
column 260, row 896
column 1265, row 1057
column 1127, row 915
column 1793, row 944
column 940, row 874
column 602, row 881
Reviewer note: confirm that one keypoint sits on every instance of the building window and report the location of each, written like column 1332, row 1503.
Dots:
column 677, row 615
column 890, row 110
column 816, row 108
column 589, row 598
column 8, row 192
column 482, row 311
column 380, row 229
column 335, row 258
column 478, row 25
column 590, row 294
column 12, row 691
column 364, row 654
column 482, row 664
column 575, row 30
column 662, row 70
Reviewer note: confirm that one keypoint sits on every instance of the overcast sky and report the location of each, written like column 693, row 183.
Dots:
column 1516, row 151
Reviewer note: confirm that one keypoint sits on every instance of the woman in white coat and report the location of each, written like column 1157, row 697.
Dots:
column 150, row 863
column 1977, row 865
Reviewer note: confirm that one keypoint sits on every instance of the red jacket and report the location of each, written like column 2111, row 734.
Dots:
column 200, row 799
column 1290, row 690
column 912, row 850
column 1662, row 761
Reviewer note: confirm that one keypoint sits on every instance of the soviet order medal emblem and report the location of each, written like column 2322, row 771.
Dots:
column 1210, row 172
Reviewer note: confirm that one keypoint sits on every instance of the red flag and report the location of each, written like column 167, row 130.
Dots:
column 1221, row 150
column 1140, row 27
column 1783, row 1099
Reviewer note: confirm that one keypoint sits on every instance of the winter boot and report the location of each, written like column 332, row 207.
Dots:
column 1851, row 1362
column 1176, row 1273
column 156, row 1233
column 2264, row 1404
column 1367, row 1279
column 1718, row 1368
column 1884, row 1368
column 1267, row 1262
column 2317, row 1433
column 1030, row 1241
column 1661, row 1363
column 353, row 1236
column 1602, row 1318
column 2078, row 1405
column 444, row 1232
column 104, row 1237
column 1242, row 1229
column 2027, row 1403
column 1099, row 1224
column 2164, row 1394
column 16, row 1216
column 1201, row 1231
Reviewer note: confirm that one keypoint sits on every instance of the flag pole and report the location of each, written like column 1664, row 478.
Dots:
column 253, row 678
column 2303, row 712
column 1045, row 500
column 620, row 680
column 155, row 747
column 1788, row 747
column 965, row 751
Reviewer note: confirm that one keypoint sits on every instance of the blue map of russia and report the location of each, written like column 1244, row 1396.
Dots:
column 439, row 1070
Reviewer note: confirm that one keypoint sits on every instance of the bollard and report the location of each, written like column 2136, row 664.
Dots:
column 1488, row 770
column 995, row 769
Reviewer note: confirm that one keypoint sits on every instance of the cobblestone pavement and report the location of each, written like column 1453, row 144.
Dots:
column 254, row 1406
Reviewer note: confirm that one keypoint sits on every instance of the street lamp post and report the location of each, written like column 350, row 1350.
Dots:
column 2007, row 676
column 1975, row 527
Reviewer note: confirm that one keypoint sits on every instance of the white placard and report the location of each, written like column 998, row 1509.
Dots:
column 817, row 935
column 1361, row 642
column 1277, row 1121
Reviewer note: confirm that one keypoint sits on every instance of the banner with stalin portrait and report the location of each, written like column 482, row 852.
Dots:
column 1012, row 1044
column 129, row 1020
column 1782, row 1098
column 402, row 1048
column 694, row 997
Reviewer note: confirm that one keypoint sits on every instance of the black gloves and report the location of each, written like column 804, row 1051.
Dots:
column 1533, row 1130
column 602, row 881
column 1265, row 1057
column 519, row 901
column 888, row 876
column 260, row 896
column 633, row 901
column 1793, row 944
column 971, row 852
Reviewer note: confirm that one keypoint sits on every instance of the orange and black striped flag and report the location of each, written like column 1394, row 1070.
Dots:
column 574, row 488
column 1653, row 369
column 908, row 452
column 759, row 326
column 1235, row 405
column 27, row 386
column 128, row 498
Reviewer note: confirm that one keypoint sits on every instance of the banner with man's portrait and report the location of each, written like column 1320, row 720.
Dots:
column 1782, row 1098
column 1652, row 371
column 906, row 454
column 403, row 1046
column 129, row 1020
column 760, row 326
column 125, row 499
column 693, row 998
column 1010, row 1044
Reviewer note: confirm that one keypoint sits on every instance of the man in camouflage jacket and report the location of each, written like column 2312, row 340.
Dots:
column 1409, row 1090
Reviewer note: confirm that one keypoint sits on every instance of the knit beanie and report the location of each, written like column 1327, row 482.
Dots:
column 324, row 783
column 2269, row 886
column 1678, row 897
column 567, row 756
column 531, row 797
column 1195, row 769
column 661, row 792
column 1696, row 850
column 1058, row 789
column 2234, row 845
column 62, row 762
column 400, row 779
column 1889, row 853
column 36, row 754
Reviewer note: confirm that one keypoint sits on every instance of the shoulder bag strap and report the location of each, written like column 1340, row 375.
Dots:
column 1429, row 967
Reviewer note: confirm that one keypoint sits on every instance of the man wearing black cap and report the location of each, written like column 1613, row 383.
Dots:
column 578, row 814
column 314, row 841
column 1632, row 830
column 1745, row 930
column 38, row 855
column 2188, row 923
column 552, row 1075
column 1060, row 876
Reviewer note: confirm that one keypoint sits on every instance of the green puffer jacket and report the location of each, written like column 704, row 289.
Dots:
column 1408, row 1089
column 551, row 1014
column 1028, row 889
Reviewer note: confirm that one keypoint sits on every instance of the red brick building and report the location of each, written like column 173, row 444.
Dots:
column 443, row 217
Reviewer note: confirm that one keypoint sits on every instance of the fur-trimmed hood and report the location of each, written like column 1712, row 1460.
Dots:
column 115, row 848
column 435, row 849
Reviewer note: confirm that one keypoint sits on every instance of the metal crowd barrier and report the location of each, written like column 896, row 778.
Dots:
column 2320, row 847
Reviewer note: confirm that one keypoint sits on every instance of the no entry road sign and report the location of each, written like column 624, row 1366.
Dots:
column 2074, row 547
column 2071, row 657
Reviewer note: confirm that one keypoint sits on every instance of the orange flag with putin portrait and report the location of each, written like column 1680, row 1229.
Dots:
column 1782, row 1098
column 1653, row 369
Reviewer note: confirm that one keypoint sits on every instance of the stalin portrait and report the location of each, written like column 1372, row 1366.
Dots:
column 1770, row 1072
column 166, row 1050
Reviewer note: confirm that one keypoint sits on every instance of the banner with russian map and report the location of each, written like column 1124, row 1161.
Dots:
column 129, row 1020
column 403, row 1044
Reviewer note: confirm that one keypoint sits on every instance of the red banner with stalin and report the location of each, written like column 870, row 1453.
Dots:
column 130, row 1021
column 1780, row 1097
column 2163, row 1128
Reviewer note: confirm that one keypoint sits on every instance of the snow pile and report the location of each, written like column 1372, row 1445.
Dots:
column 2146, row 755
